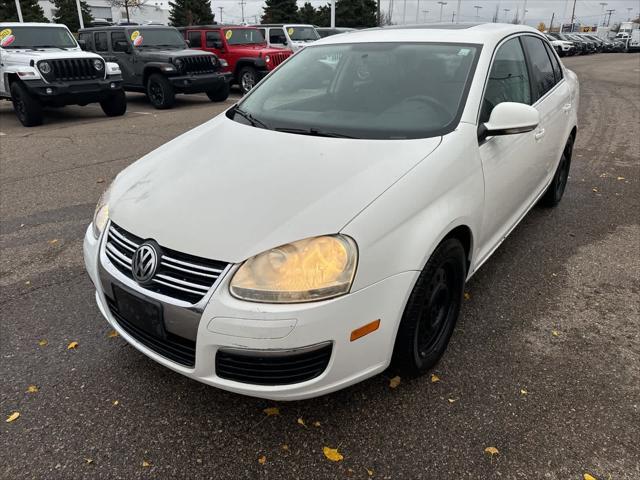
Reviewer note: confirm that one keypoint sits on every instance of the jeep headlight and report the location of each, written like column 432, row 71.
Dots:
column 178, row 63
column 44, row 67
column 101, row 214
column 313, row 269
column 97, row 64
column 267, row 58
column 223, row 62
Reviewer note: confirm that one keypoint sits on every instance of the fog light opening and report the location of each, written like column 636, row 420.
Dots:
column 49, row 91
column 365, row 330
column 112, row 85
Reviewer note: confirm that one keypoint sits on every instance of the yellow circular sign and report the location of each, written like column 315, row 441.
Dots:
column 135, row 35
column 5, row 33
column 228, row 34
column 290, row 31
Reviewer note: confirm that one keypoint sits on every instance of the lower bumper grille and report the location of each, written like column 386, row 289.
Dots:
column 175, row 348
column 273, row 368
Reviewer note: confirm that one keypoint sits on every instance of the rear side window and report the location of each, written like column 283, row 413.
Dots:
column 101, row 42
column 88, row 40
column 195, row 38
column 212, row 38
column 555, row 64
column 543, row 78
column 508, row 80
column 118, row 37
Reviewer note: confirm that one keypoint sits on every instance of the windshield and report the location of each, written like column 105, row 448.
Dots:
column 302, row 34
column 367, row 90
column 36, row 37
column 156, row 37
column 243, row 36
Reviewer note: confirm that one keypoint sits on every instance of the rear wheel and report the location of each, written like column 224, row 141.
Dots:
column 160, row 91
column 556, row 189
column 115, row 105
column 247, row 79
column 219, row 95
column 432, row 310
column 27, row 108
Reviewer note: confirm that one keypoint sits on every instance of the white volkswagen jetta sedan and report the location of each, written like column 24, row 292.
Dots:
column 324, row 227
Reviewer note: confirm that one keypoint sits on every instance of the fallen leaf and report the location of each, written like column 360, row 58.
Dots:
column 594, row 189
column 434, row 378
column 452, row 400
column 316, row 424
column 555, row 333
column 369, row 472
column 271, row 411
column 112, row 334
column 491, row 451
column 285, row 447
column 72, row 346
column 12, row 417
column 332, row 454
column 586, row 476
column 32, row 389
column 301, row 422
column 467, row 296
column 262, row 460
column 394, row 382
column 53, row 242
column 146, row 464
column 88, row 460
column 27, row 282
column 115, row 402
column 43, row 342
column 523, row 391
column 100, row 180
column 621, row 178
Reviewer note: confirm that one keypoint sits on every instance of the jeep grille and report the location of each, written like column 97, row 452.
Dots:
column 278, row 58
column 199, row 64
column 70, row 69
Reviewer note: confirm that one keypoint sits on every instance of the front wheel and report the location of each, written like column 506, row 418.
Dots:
column 115, row 105
column 160, row 92
column 219, row 95
column 556, row 189
column 432, row 310
column 27, row 108
column 247, row 79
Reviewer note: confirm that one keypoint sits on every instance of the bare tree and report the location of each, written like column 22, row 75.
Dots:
column 128, row 5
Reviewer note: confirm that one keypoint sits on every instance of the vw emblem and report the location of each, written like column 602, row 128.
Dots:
column 144, row 263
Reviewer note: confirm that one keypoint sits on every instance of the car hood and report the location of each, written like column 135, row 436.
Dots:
column 228, row 191
column 52, row 53
column 163, row 54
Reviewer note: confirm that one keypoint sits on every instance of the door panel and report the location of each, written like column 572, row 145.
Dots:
column 125, row 60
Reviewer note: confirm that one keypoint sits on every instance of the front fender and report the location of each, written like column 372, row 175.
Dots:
column 256, row 62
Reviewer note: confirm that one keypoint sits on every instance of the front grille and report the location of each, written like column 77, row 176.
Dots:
column 173, row 347
column 70, row 69
column 278, row 58
column 272, row 368
column 180, row 276
column 199, row 64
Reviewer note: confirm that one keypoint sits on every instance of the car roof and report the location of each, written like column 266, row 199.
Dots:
column 120, row 27
column 471, row 33
column 215, row 27
column 31, row 24
column 283, row 24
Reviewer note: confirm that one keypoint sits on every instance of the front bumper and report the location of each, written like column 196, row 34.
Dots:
column 226, row 323
column 199, row 83
column 73, row 93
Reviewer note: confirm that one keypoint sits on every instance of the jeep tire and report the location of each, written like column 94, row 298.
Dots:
column 160, row 91
column 115, row 105
column 28, row 109
column 247, row 79
column 220, row 94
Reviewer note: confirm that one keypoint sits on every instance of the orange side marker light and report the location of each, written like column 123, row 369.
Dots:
column 365, row 330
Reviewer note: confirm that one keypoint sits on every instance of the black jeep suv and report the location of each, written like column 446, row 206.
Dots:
column 156, row 60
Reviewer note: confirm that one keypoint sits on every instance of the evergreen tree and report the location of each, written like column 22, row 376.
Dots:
column 356, row 13
column 307, row 14
column 68, row 14
column 190, row 12
column 323, row 16
column 280, row 11
column 31, row 11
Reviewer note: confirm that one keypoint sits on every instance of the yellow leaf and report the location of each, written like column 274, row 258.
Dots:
column 332, row 454
column 285, row 447
column 88, row 460
column 112, row 334
column 452, row 400
column 271, row 411
column 100, row 180
column 523, row 391
column 467, row 296
column 12, row 417
column 72, row 346
column 491, row 451
column 586, row 476
column 115, row 403
column 394, row 382
column 594, row 189
column 54, row 241
column 316, row 424
column 369, row 472
column 262, row 460
column 27, row 282
column 555, row 333
column 301, row 422
column 620, row 178
column 434, row 378
column 43, row 342
column 32, row 389
column 146, row 464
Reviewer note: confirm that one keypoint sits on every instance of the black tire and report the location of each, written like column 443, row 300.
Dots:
column 160, row 91
column 115, row 105
column 432, row 310
column 556, row 188
column 247, row 79
column 28, row 109
column 219, row 95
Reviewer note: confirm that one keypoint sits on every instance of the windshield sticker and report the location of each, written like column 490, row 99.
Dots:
column 228, row 35
column 463, row 52
column 6, row 38
column 136, row 38
column 290, row 31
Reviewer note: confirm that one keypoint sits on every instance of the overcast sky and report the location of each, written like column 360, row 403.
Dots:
column 588, row 12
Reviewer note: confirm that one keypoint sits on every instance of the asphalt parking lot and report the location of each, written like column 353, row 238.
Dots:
column 544, row 365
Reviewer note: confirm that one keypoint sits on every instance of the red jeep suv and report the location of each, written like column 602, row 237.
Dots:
column 244, row 49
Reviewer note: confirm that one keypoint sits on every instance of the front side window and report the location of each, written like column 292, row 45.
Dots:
column 101, row 42
column 508, row 79
column 213, row 39
column 243, row 36
column 542, row 75
column 87, row 38
column 156, row 38
column 195, row 39
column 368, row 90
column 555, row 64
column 303, row 34
column 15, row 37
column 118, row 42
column 276, row 36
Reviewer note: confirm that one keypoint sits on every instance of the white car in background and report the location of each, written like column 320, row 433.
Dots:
column 383, row 183
column 563, row 47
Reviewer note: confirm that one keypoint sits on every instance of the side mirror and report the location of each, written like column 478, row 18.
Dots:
column 188, row 42
column 509, row 118
column 122, row 46
column 82, row 44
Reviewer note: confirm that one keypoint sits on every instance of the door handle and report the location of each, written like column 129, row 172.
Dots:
column 538, row 136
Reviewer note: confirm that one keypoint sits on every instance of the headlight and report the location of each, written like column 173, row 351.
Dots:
column 44, row 67
column 178, row 63
column 101, row 215
column 97, row 64
column 223, row 62
column 305, row 271
column 267, row 58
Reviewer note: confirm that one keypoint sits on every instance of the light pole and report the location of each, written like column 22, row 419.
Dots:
column 629, row 10
column 80, row 20
column 506, row 10
column 603, row 4
column 524, row 12
column 221, row 9
column 477, row 7
column 404, row 13
column 442, row 4
column 425, row 12
column 418, row 12
column 19, row 10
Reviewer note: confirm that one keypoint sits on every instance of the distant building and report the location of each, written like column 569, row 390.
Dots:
column 153, row 10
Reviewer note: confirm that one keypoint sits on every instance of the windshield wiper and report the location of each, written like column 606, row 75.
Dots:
column 313, row 132
column 252, row 120
column 49, row 46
